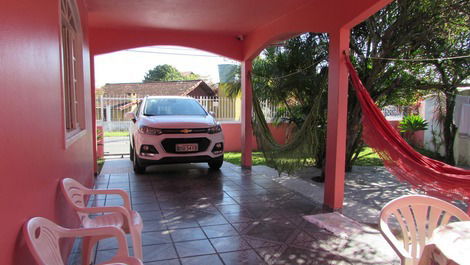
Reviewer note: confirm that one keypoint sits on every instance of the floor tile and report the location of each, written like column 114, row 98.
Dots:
column 159, row 252
column 202, row 260
column 212, row 220
column 194, row 248
column 219, row 230
column 244, row 257
column 187, row 234
column 232, row 243
column 151, row 226
column 164, row 262
column 159, row 237
column 151, row 215
column 146, row 207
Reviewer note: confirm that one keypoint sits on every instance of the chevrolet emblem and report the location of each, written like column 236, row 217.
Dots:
column 186, row 131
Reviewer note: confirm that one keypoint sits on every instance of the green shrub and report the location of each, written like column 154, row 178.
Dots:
column 413, row 123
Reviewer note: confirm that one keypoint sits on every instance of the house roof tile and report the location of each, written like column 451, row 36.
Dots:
column 163, row 88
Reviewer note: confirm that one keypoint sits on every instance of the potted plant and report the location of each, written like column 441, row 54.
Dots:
column 99, row 142
column 410, row 125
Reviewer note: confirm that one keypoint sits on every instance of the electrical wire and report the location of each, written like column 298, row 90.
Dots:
column 374, row 58
column 421, row 59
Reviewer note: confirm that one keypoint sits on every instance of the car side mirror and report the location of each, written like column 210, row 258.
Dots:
column 212, row 113
column 131, row 116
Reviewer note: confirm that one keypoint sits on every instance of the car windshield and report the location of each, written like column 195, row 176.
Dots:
column 173, row 106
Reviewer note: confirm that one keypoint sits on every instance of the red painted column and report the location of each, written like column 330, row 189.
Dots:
column 247, row 107
column 337, row 120
column 93, row 112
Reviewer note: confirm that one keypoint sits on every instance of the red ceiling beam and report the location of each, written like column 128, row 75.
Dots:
column 105, row 40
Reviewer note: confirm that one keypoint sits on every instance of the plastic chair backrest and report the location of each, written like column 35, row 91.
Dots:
column 42, row 238
column 417, row 216
column 75, row 195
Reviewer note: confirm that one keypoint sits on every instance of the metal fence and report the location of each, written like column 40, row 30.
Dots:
column 110, row 111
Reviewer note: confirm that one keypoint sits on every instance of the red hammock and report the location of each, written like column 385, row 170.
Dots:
column 432, row 176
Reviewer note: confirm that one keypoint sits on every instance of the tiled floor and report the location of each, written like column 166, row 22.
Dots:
column 193, row 215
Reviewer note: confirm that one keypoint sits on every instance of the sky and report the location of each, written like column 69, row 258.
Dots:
column 131, row 65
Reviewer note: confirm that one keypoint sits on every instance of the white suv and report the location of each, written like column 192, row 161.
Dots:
column 169, row 130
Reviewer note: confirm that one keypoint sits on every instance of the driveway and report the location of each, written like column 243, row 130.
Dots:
column 116, row 145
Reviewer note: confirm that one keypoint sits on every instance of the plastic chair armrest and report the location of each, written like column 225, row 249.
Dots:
column 108, row 231
column 108, row 209
column 124, row 195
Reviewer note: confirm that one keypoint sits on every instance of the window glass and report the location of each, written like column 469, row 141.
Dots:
column 173, row 106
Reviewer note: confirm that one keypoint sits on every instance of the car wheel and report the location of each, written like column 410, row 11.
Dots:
column 216, row 163
column 131, row 153
column 138, row 168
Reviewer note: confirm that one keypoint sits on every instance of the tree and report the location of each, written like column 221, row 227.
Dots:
column 166, row 72
column 291, row 75
column 411, row 29
column 450, row 38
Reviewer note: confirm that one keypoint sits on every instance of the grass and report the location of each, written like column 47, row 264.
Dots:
column 115, row 134
column 235, row 158
column 100, row 163
column 367, row 157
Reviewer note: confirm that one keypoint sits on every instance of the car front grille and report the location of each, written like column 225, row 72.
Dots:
column 185, row 131
column 169, row 144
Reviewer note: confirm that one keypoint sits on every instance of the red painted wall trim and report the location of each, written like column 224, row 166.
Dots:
column 232, row 134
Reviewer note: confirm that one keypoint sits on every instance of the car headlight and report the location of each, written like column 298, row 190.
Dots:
column 149, row 130
column 215, row 129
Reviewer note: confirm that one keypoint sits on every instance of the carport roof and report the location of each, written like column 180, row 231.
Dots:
column 237, row 29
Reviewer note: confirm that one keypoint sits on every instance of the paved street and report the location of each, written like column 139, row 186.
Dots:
column 116, row 145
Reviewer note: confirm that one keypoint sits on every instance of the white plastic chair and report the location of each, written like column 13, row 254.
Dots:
column 417, row 216
column 120, row 216
column 42, row 237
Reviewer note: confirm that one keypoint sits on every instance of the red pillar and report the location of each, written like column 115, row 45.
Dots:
column 247, row 107
column 337, row 120
column 93, row 112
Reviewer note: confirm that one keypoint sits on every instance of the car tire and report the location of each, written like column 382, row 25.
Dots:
column 138, row 168
column 131, row 153
column 216, row 163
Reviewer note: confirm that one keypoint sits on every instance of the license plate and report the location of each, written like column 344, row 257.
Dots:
column 187, row 148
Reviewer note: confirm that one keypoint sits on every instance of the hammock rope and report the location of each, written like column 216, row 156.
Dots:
column 433, row 177
column 294, row 154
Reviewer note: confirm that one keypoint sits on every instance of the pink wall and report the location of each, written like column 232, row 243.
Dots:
column 232, row 135
column 32, row 146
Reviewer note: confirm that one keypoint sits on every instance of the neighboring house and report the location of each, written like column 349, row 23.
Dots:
column 191, row 88
column 121, row 98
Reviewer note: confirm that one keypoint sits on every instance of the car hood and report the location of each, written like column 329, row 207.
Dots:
column 177, row 121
